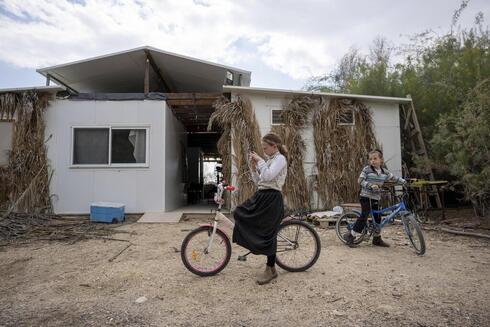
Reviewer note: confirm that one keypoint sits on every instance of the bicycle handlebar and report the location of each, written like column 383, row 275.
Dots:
column 218, row 196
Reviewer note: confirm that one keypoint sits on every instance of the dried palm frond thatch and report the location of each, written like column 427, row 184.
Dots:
column 295, row 117
column 341, row 149
column 27, row 175
column 237, row 120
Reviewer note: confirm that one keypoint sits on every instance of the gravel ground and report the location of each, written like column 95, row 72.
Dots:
column 57, row 284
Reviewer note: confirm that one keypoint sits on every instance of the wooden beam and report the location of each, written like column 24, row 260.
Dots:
column 158, row 71
column 176, row 96
column 196, row 128
column 72, row 90
column 147, row 77
column 191, row 102
column 178, row 111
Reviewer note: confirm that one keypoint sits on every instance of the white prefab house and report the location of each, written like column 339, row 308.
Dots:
column 131, row 127
column 385, row 111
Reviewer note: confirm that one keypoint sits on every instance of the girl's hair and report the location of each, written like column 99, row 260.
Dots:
column 273, row 139
column 378, row 151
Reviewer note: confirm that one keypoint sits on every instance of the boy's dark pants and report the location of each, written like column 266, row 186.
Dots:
column 366, row 205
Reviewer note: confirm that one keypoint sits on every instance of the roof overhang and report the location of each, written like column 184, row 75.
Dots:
column 42, row 89
column 291, row 93
column 124, row 71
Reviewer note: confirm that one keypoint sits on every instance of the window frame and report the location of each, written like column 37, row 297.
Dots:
column 272, row 117
column 146, row 164
column 347, row 124
column 229, row 81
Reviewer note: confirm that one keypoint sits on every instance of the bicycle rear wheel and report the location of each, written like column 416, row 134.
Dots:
column 414, row 233
column 196, row 256
column 345, row 223
column 298, row 246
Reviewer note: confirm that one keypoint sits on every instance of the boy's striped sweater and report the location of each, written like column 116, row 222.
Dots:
column 369, row 177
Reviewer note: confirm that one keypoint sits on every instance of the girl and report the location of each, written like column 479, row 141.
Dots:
column 371, row 179
column 258, row 218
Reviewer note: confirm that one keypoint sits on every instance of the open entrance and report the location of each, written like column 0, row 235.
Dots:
column 204, row 167
column 202, row 158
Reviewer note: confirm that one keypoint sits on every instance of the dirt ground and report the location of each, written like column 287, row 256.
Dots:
column 58, row 284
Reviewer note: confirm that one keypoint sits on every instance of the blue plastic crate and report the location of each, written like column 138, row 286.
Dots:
column 107, row 212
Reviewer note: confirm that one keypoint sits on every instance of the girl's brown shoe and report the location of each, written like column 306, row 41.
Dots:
column 267, row 276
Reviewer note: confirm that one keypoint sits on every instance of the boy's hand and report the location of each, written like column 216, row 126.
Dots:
column 375, row 187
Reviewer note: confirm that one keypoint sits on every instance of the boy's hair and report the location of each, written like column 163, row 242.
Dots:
column 378, row 151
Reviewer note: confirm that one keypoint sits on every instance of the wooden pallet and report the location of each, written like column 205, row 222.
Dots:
column 327, row 223
column 350, row 206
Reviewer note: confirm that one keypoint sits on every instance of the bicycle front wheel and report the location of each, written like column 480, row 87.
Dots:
column 298, row 246
column 414, row 233
column 345, row 223
column 202, row 259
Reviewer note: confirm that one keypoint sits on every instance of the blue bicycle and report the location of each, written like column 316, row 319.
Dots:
column 410, row 225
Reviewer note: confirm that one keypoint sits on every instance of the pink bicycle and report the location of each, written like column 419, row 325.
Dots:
column 206, row 250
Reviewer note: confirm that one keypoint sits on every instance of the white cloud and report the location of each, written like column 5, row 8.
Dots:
column 298, row 57
column 297, row 38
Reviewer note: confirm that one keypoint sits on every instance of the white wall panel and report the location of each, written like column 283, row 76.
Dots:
column 140, row 189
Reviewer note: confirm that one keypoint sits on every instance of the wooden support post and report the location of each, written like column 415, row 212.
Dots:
column 72, row 90
column 147, row 76
column 412, row 129
column 157, row 70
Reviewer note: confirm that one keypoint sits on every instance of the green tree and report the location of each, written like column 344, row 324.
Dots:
column 362, row 74
column 447, row 76
column 461, row 144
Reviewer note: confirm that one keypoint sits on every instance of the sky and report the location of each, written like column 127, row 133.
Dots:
column 282, row 42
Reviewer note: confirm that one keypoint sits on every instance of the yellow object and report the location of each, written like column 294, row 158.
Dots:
column 194, row 255
column 424, row 182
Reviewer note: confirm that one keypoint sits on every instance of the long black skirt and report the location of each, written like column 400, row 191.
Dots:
column 257, row 221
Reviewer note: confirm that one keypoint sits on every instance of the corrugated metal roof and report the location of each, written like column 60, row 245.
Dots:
column 124, row 71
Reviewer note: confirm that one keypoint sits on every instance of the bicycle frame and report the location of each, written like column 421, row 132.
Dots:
column 218, row 198
column 221, row 217
column 396, row 209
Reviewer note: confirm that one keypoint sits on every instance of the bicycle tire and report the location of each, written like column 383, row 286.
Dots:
column 410, row 220
column 302, row 227
column 222, row 262
column 343, row 221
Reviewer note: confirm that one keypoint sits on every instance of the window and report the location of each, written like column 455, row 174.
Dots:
column 128, row 146
column 276, row 117
column 345, row 117
column 6, row 137
column 110, row 146
column 229, row 78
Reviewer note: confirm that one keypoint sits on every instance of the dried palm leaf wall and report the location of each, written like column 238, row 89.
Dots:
column 237, row 120
column 26, row 178
column 295, row 116
column 341, row 150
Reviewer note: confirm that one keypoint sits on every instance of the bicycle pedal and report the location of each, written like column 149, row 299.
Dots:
column 242, row 258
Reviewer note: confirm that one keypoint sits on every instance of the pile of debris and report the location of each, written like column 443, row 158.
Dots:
column 28, row 226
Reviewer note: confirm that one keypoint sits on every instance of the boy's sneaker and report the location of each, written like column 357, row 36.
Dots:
column 377, row 241
column 349, row 239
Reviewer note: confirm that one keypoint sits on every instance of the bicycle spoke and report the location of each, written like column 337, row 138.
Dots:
column 299, row 249
column 197, row 255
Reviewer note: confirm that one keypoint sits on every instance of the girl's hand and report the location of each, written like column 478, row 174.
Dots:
column 255, row 157
column 253, row 163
